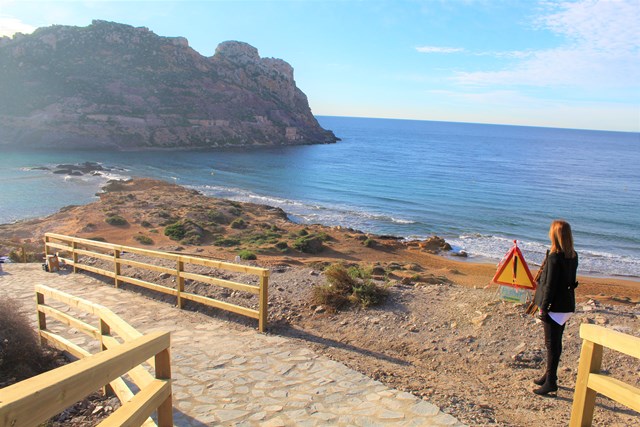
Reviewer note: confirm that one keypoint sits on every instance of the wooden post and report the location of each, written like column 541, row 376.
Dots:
column 46, row 247
column 24, row 255
column 584, row 399
column 74, row 256
column 116, row 267
column 180, row 281
column 264, row 302
column 105, row 329
column 42, row 318
column 163, row 372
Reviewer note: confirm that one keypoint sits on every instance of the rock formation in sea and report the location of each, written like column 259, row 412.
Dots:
column 111, row 85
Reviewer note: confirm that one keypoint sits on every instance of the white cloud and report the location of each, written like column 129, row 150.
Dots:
column 601, row 49
column 10, row 25
column 438, row 49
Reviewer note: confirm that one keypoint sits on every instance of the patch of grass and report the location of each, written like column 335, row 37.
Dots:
column 267, row 237
column 145, row 240
column 98, row 239
column 146, row 224
column 226, row 241
column 247, row 255
column 116, row 220
column 303, row 232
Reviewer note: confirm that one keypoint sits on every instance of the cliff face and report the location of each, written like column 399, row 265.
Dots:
column 113, row 85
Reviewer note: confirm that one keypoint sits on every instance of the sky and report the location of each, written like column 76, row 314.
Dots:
column 569, row 64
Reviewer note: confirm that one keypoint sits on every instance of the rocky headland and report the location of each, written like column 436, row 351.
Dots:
column 115, row 86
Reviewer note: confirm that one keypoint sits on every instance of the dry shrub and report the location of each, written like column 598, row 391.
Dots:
column 346, row 286
column 21, row 356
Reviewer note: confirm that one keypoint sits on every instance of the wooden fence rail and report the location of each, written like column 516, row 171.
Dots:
column 591, row 382
column 113, row 254
column 35, row 400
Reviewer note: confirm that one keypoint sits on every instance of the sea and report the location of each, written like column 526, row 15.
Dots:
column 481, row 187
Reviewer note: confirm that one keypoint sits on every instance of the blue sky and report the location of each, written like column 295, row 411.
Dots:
column 573, row 64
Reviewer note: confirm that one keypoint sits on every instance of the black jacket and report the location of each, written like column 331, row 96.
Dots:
column 555, row 291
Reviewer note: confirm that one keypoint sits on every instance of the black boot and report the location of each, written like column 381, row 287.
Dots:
column 549, row 386
column 541, row 380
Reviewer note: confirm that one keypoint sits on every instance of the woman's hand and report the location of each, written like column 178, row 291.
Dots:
column 543, row 315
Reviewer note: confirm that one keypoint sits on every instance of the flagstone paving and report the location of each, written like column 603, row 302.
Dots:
column 229, row 375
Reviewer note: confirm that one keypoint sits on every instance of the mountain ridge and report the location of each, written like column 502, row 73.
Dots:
column 124, row 87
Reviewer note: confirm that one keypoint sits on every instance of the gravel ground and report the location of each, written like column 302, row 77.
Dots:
column 458, row 347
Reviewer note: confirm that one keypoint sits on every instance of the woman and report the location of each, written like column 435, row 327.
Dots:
column 556, row 299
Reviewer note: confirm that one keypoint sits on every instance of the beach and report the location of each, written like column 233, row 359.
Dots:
column 442, row 334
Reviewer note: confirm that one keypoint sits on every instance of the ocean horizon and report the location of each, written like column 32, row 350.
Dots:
column 479, row 186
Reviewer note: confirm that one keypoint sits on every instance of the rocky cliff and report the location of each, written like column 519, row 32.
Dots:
column 116, row 86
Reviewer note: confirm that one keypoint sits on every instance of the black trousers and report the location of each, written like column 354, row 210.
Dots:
column 553, row 342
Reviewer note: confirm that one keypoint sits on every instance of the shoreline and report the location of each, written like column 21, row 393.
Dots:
column 149, row 205
column 482, row 246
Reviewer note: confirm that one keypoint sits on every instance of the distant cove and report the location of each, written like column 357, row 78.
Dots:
column 478, row 186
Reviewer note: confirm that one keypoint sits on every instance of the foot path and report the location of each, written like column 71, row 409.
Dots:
column 224, row 374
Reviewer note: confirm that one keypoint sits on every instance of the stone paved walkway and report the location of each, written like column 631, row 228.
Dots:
column 227, row 375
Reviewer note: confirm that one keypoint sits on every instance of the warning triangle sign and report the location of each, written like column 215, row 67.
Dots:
column 513, row 270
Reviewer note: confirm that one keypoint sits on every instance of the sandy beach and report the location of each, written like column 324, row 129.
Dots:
column 442, row 334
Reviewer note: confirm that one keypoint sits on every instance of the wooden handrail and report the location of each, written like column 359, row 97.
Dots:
column 590, row 381
column 112, row 253
column 37, row 399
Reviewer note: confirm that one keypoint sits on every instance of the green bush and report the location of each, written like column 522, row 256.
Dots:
column 238, row 223
column 25, row 254
column 217, row 217
column 175, row 231
column 143, row 239
column 146, row 224
column 282, row 246
column 116, row 220
column 303, row 232
column 308, row 244
column 369, row 243
column 368, row 294
column 247, row 255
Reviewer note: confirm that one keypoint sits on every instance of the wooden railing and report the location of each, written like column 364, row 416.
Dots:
column 591, row 382
column 112, row 254
column 35, row 400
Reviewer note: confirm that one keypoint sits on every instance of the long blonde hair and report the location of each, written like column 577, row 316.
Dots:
column 561, row 238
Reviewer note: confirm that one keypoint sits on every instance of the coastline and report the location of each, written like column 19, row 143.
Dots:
column 143, row 202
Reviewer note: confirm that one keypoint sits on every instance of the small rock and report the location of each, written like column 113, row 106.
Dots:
column 319, row 309
column 601, row 320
